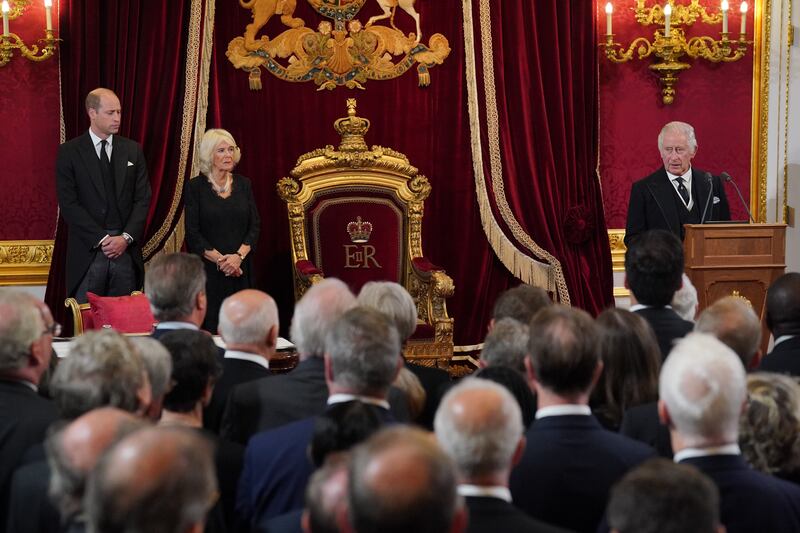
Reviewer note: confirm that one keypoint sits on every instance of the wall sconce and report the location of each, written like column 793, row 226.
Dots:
column 10, row 41
column 670, row 44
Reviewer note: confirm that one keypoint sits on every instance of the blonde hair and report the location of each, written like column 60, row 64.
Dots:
column 209, row 143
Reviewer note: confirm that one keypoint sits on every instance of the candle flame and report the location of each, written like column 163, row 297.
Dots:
column 609, row 8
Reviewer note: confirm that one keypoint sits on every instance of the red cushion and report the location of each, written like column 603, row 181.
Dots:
column 88, row 319
column 126, row 314
column 424, row 332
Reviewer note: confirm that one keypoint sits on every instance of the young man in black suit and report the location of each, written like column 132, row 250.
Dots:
column 104, row 195
column 479, row 425
column 653, row 270
column 783, row 319
column 676, row 194
column 568, row 451
column 702, row 389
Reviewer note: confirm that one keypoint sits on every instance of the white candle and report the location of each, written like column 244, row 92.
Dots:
column 6, row 9
column 743, row 9
column 609, row 11
column 48, row 4
column 667, row 16
column 724, row 16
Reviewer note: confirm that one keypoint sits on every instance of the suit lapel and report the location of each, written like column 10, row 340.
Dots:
column 119, row 162
column 662, row 191
column 92, row 163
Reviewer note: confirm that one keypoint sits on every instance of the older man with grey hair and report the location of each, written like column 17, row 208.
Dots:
column 733, row 321
column 479, row 425
column 506, row 345
column 362, row 358
column 158, row 365
column 25, row 350
column 175, row 284
column 702, row 390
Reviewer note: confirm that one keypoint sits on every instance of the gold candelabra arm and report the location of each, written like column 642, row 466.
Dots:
column 18, row 7
column 34, row 53
column 616, row 54
column 716, row 51
column 681, row 14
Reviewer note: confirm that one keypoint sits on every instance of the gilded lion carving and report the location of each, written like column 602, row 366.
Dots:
column 262, row 11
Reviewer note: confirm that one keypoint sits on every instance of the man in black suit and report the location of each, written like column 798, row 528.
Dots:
column 702, row 389
column 676, row 194
column 248, row 323
column 479, row 425
column 26, row 329
column 568, row 451
column 104, row 195
column 783, row 320
column 176, row 287
column 653, row 270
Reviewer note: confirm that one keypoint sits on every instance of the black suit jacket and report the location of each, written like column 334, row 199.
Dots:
column 491, row 515
column 30, row 508
column 641, row 423
column 234, row 372
column 652, row 204
column 24, row 419
column 568, row 468
column 784, row 358
column 433, row 381
column 667, row 325
column 82, row 200
column 749, row 500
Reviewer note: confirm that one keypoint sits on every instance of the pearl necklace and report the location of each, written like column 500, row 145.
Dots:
column 225, row 188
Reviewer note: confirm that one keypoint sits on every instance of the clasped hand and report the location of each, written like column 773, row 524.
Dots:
column 230, row 265
column 114, row 247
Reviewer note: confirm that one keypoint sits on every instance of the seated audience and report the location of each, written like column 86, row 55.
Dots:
column 362, row 358
column 684, row 301
column 175, row 284
column 157, row 480
column 783, row 320
column 400, row 481
column 769, row 429
column 631, row 360
column 653, row 270
column 568, row 451
column 158, row 364
column 660, row 496
column 326, row 498
column 517, row 385
column 733, row 321
column 702, row 389
column 520, row 303
column 479, row 425
column 506, row 345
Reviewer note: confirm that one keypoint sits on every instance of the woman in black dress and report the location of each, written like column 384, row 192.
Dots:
column 222, row 222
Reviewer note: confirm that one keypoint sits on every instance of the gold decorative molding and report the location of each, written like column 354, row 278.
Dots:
column 25, row 262
column 616, row 239
column 760, row 114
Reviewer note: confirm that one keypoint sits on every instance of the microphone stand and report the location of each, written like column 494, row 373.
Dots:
column 727, row 177
column 710, row 180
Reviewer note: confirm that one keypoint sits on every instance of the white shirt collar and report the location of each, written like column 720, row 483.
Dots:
column 342, row 398
column 781, row 339
column 176, row 325
column 690, row 453
column 639, row 307
column 687, row 178
column 97, row 140
column 561, row 410
column 247, row 356
column 492, row 491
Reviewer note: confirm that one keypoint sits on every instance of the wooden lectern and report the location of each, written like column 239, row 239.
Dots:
column 735, row 260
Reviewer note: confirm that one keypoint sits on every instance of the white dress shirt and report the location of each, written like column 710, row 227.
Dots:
column 687, row 182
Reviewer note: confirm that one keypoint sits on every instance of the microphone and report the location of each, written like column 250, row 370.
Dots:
column 710, row 181
column 727, row 177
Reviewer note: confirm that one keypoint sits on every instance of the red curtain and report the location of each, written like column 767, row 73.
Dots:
column 138, row 50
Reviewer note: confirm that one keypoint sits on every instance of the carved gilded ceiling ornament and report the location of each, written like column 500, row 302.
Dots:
column 342, row 52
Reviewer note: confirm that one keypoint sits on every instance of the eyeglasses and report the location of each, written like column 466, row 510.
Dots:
column 53, row 329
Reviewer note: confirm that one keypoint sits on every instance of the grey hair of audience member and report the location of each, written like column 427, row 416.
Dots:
column 520, row 303
column 326, row 494
column 660, row 496
column 157, row 480
column 684, row 301
column 506, row 345
column 251, row 328
column 20, row 325
column 678, row 127
column 364, row 350
column 703, row 386
column 401, row 481
column 393, row 300
column 316, row 312
column 479, row 425
column 172, row 283
column 157, row 363
column 734, row 322
column 103, row 368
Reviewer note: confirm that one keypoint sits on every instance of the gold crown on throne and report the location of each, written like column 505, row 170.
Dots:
column 352, row 129
column 359, row 231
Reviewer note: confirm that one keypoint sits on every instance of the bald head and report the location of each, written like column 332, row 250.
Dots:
column 733, row 321
column 249, row 318
column 159, row 480
column 401, row 481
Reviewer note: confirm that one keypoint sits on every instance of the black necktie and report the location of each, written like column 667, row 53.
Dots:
column 683, row 191
column 105, row 164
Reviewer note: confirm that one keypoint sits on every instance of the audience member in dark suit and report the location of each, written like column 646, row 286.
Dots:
column 195, row 367
column 362, row 358
column 158, row 363
column 394, row 300
column 175, row 286
column 72, row 453
column 26, row 330
column 660, row 495
column 479, row 425
column 783, row 320
column 568, row 451
column 653, row 270
column 676, row 194
column 156, row 479
column 520, row 303
column 702, row 389
column 517, row 385
column 104, row 195
column 248, row 323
